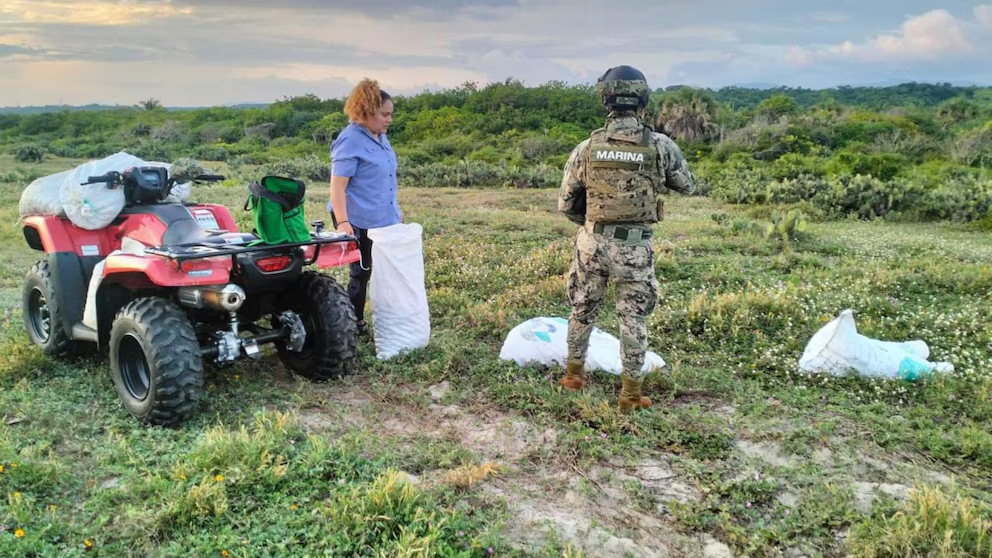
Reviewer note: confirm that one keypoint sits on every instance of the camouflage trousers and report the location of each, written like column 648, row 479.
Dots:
column 597, row 259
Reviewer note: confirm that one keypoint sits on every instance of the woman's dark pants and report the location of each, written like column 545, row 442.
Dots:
column 361, row 272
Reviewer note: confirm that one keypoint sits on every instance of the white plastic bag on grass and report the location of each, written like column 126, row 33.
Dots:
column 400, row 316
column 544, row 341
column 837, row 348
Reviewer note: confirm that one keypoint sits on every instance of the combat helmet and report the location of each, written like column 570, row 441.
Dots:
column 623, row 88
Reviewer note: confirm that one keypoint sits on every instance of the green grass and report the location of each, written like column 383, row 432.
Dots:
column 449, row 451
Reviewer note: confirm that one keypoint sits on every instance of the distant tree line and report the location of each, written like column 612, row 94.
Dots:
column 925, row 149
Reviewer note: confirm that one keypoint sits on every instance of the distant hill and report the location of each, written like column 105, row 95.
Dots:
column 55, row 108
column 874, row 97
column 97, row 107
column 874, row 84
column 877, row 96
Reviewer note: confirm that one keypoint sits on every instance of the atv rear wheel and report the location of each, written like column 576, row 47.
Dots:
column 155, row 361
column 42, row 316
column 332, row 331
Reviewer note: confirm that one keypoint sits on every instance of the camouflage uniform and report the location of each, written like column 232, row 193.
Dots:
column 600, row 255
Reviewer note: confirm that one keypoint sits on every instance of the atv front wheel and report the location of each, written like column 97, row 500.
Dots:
column 42, row 316
column 332, row 331
column 155, row 361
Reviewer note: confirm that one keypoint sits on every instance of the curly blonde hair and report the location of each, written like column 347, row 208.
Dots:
column 365, row 99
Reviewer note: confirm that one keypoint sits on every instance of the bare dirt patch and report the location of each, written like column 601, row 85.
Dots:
column 615, row 509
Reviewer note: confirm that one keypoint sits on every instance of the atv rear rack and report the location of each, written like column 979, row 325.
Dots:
column 203, row 250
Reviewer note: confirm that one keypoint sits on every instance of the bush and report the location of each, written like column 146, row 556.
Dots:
column 974, row 147
column 169, row 131
column 856, row 160
column 794, row 165
column 487, row 154
column 63, row 150
column 466, row 174
column 962, row 199
column 250, row 158
column 29, row 154
column 153, row 150
column 538, row 147
column 140, row 130
column 210, row 153
column 309, row 167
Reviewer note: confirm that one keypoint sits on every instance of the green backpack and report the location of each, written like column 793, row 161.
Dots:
column 277, row 205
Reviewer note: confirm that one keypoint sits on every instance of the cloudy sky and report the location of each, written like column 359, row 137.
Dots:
column 214, row 52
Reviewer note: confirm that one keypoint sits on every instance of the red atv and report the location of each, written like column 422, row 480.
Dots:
column 196, row 289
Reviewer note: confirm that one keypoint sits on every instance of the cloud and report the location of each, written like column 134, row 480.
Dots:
column 222, row 51
column 931, row 36
column 983, row 14
column 380, row 8
column 12, row 51
column 87, row 12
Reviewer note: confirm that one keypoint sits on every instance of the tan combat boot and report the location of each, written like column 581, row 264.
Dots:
column 575, row 376
column 630, row 396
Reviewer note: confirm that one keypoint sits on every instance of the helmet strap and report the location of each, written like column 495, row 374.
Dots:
column 622, row 113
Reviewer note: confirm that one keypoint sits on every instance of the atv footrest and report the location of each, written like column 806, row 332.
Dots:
column 83, row 332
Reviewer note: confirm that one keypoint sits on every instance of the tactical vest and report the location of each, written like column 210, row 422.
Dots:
column 621, row 177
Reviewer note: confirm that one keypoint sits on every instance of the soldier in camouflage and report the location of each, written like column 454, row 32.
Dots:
column 611, row 187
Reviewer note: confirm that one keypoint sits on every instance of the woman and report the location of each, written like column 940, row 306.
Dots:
column 363, row 181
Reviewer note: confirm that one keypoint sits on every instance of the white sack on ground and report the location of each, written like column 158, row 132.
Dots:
column 544, row 341
column 400, row 315
column 837, row 349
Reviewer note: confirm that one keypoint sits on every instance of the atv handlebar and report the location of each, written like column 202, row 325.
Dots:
column 209, row 178
column 112, row 178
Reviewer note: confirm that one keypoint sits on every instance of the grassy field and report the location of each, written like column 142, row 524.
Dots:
column 449, row 451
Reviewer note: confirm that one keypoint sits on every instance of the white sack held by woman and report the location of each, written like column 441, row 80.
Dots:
column 400, row 316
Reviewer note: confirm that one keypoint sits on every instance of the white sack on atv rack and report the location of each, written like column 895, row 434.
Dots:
column 94, row 206
column 837, row 349
column 400, row 316
column 544, row 341
column 41, row 197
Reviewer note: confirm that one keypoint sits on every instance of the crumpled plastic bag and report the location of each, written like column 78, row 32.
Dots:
column 838, row 349
column 544, row 341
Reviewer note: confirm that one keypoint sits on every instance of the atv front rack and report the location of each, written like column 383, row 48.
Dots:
column 202, row 250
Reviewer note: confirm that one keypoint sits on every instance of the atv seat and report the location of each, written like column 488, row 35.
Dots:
column 182, row 229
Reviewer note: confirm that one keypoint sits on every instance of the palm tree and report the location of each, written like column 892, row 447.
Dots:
column 149, row 104
column 688, row 114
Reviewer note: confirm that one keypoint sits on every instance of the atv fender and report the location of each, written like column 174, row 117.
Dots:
column 334, row 255
column 134, row 271
column 52, row 234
